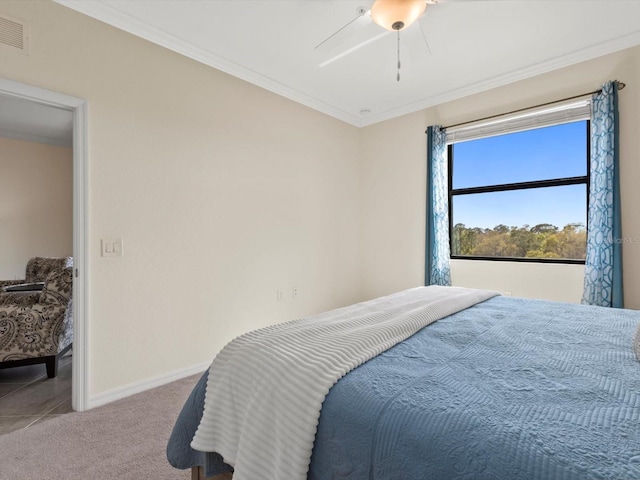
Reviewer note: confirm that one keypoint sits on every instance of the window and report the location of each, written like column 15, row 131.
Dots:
column 521, row 196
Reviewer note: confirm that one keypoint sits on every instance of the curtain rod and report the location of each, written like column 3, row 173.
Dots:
column 621, row 85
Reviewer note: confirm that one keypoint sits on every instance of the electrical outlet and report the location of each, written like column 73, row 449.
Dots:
column 294, row 292
column 279, row 295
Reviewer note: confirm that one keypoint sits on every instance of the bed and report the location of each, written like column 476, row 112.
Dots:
column 508, row 388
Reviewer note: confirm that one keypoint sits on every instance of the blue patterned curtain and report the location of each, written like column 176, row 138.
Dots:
column 437, row 270
column 603, row 266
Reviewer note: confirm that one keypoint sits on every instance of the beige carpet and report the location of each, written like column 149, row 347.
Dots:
column 122, row 440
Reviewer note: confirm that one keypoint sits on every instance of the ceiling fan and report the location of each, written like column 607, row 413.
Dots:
column 371, row 24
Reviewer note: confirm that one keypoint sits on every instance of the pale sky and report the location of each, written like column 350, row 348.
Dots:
column 550, row 152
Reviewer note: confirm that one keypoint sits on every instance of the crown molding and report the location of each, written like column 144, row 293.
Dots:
column 111, row 16
column 582, row 55
column 107, row 14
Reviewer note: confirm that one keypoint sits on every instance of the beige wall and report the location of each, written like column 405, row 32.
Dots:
column 557, row 282
column 36, row 210
column 224, row 193
column 221, row 191
column 393, row 186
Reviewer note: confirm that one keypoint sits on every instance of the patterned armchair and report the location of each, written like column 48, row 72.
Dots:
column 37, row 326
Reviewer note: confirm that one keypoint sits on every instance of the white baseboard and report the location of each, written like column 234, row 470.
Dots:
column 147, row 384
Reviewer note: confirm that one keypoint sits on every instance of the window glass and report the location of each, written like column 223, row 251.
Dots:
column 534, row 223
column 495, row 210
column 541, row 154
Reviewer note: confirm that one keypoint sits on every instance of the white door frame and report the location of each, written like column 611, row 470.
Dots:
column 78, row 106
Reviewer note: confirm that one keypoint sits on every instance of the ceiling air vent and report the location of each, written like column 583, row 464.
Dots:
column 13, row 34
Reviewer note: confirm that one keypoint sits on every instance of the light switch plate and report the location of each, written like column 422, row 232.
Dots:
column 111, row 247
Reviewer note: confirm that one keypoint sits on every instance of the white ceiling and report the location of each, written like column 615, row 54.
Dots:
column 473, row 45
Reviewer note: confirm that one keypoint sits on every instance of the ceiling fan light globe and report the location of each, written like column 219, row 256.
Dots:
column 386, row 13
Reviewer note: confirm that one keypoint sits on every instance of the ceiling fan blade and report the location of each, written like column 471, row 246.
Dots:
column 415, row 45
column 332, row 50
column 362, row 31
column 334, row 40
column 425, row 37
column 352, row 49
column 416, row 42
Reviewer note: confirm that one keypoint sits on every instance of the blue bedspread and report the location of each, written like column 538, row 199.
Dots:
column 508, row 389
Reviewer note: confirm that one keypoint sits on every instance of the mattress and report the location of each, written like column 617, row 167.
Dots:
column 507, row 389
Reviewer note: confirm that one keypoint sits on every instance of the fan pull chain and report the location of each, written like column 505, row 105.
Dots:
column 398, row 77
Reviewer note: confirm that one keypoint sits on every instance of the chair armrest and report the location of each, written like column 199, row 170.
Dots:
column 58, row 288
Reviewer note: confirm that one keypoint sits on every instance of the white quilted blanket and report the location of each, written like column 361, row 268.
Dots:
column 266, row 388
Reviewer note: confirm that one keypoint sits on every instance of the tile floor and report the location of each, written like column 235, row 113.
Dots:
column 28, row 397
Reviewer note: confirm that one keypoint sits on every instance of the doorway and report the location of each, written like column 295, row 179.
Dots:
column 78, row 108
